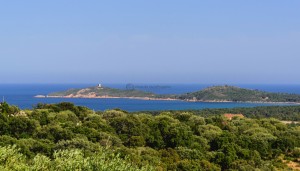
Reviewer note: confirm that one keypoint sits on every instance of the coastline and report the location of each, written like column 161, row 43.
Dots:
column 228, row 101
column 165, row 99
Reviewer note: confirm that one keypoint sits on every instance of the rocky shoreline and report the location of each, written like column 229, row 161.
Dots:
column 104, row 97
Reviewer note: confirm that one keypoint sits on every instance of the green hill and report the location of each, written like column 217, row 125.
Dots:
column 236, row 94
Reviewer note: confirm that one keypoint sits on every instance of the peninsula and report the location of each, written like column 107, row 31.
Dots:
column 211, row 94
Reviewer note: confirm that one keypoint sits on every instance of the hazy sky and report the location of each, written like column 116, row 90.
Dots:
column 153, row 41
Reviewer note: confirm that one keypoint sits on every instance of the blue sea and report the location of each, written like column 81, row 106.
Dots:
column 22, row 95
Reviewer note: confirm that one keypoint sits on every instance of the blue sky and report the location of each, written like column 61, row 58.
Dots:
column 170, row 41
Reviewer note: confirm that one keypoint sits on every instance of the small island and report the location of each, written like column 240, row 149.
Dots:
column 107, row 92
column 211, row 94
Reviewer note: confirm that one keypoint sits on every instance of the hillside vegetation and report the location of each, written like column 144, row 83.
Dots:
column 236, row 94
column 67, row 137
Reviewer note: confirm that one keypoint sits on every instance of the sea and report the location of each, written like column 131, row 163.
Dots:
column 22, row 95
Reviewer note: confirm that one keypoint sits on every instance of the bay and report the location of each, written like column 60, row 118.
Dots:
column 22, row 95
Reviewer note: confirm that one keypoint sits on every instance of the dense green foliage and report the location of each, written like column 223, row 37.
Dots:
column 231, row 93
column 67, row 137
column 74, row 159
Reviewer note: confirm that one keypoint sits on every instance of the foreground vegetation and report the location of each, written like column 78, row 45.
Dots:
column 67, row 137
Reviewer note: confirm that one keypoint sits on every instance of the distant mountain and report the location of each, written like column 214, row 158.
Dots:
column 236, row 94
